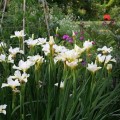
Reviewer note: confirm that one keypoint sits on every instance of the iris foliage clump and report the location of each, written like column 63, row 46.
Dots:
column 44, row 80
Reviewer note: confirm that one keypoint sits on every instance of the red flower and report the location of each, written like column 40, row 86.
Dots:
column 107, row 17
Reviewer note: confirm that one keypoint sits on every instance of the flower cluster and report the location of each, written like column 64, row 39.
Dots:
column 31, row 43
column 67, row 38
column 70, row 58
column 105, row 57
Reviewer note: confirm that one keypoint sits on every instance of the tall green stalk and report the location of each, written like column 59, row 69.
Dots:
column 74, row 84
column 31, row 51
column 65, row 94
column 13, row 100
column 6, row 70
column 21, row 44
column 22, row 95
column 50, row 81
column 92, row 86
column 49, row 96
column 37, row 78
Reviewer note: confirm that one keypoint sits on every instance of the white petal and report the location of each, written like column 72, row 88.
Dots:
column 4, row 85
column 4, row 112
column 4, row 106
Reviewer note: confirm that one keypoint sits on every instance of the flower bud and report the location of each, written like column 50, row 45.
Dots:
column 51, row 41
column 57, row 30
column 109, row 67
column 73, row 33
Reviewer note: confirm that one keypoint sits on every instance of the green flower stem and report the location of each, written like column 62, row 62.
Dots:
column 65, row 93
column 92, row 86
column 49, row 94
column 31, row 52
column 64, row 101
column 13, row 100
column 50, row 72
column 37, row 73
column 85, row 76
column 74, row 84
column 22, row 95
column 74, row 39
column 87, row 55
column 108, row 79
column 7, row 71
column 65, row 74
column 69, row 115
column 103, row 70
column 21, row 43
column 37, row 77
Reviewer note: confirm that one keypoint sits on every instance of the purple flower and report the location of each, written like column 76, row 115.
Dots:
column 76, row 33
column 83, row 63
column 82, row 38
column 65, row 37
column 93, row 43
column 70, row 40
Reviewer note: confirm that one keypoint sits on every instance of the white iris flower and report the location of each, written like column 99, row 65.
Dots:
column 18, row 34
column 11, row 83
column 23, row 65
column 93, row 67
column 2, row 109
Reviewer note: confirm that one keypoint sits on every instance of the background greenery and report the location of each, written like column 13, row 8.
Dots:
column 35, row 23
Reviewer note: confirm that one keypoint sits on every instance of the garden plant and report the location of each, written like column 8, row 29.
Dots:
column 43, row 80
column 56, row 65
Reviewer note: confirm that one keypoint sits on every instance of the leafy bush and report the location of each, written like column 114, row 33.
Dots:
column 115, row 13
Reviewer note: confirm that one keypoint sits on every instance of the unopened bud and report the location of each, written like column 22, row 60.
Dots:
column 109, row 67
column 51, row 41
column 57, row 30
column 73, row 33
column 32, row 36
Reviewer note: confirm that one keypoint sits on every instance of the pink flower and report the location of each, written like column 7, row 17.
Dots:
column 70, row 40
column 76, row 33
column 82, row 38
column 93, row 43
column 65, row 37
